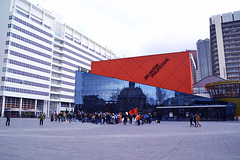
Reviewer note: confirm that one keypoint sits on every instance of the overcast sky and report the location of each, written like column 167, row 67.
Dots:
column 141, row 27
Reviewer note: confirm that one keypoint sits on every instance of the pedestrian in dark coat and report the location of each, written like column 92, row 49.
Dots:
column 8, row 119
column 194, row 120
column 52, row 117
column 191, row 120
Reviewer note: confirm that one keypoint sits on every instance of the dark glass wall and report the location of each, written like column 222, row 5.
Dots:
column 94, row 93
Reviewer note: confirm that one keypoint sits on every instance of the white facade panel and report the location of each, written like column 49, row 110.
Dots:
column 22, row 85
column 49, row 20
column 85, row 41
column 76, row 60
column 36, row 40
column 77, row 36
column 103, row 51
column 69, row 31
column 236, row 15
column 37, row 13
column 98, row 48
column 23, row 5
column 24, row 79
column 30, row 29
column 31, row 64
column 227, row 17
column 33, row 47
column 91, row 45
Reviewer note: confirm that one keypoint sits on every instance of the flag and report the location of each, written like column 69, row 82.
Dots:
column 133, row 111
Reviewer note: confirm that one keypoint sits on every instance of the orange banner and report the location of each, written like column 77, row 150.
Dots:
column 133, row 111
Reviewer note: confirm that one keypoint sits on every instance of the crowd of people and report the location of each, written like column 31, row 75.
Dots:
column 110, row 118
column 63, row 116
column 102, row 118
column 106, row 118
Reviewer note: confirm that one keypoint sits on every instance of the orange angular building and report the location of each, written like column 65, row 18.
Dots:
column 169, row 71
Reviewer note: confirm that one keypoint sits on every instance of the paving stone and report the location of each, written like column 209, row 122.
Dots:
column 26, row 139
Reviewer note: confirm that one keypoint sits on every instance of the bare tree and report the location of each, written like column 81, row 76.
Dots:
column 161, row 95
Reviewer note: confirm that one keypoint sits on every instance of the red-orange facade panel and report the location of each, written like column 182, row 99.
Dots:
column 170, row 71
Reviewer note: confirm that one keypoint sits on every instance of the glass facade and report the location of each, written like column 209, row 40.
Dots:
column 228, row 91
column 224, row 89
column 95, row 93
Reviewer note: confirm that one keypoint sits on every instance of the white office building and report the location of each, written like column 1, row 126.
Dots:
column 39, row 57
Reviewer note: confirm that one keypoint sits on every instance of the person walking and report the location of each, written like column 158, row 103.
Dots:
column 8, row 119
column 96, row 118
column 130, row 119
column 142, row 118
column 41, row 117
column 138, row 119
column 125, row 118
column 191, row 120
column 52, row 117
column 149, row 120
column 197, row 120
column 59, row 117
column 70, row 117
column 194, row 120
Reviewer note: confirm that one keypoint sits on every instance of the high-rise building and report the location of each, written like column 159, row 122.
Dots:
column 39, row 56
column 204, row 58
column 225, row 45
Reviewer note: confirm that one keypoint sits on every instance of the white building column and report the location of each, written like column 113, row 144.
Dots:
column 3, row 106
column 48, row 108
column 58, row 107
column 220, row 46
column 45, row 107
column 35, row 108
column 69, row 107
column 20, row 112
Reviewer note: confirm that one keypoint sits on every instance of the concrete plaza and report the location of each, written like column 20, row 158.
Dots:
column 26, row 139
